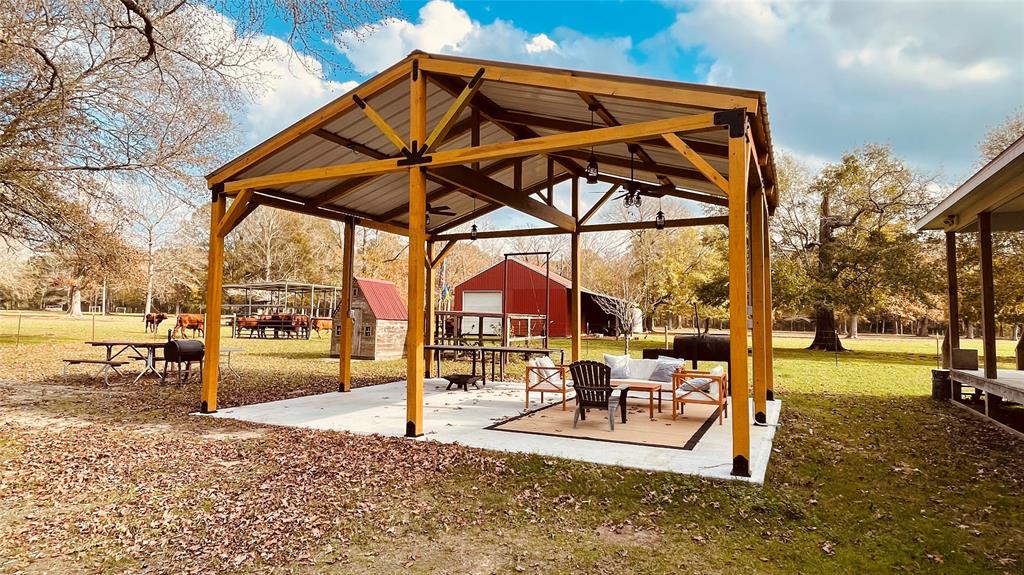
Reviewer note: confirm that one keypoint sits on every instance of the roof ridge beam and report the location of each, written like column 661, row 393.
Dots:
column 568, row 81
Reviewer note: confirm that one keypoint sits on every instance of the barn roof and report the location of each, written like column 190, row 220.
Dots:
column 384, row 299
column 555, row 278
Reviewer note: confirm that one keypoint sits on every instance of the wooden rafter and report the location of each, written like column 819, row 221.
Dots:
column 379, row 83
column 443, row 253
column 598, row 204
column 445, row 190
column 492, row 111
column 593, row 228
column 540, row 145
column 609, row 120
column 698, row 162
column 480, row 212
column 640, row 165
column 460, row 103
column 336, row 214
column 235, row 213
column 381, row 124
column 671, row 192
column 493, row 190
column 562, row 125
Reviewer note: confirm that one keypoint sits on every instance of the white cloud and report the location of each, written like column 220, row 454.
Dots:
column 924, row 77
column 294, row 86
column 442, row 27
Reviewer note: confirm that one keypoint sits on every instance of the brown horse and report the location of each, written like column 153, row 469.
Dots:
column 194, row 321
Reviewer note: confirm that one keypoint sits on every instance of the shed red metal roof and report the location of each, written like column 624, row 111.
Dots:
column 384, row 299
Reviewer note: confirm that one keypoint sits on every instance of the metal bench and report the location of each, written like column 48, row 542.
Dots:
column 107, row 364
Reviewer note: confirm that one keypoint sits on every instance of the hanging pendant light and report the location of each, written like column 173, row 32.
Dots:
column 659, row 220
column 632, row 196
column 591, row 171
column 472, row 229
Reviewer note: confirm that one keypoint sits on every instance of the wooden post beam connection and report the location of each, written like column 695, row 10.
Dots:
column 460, row 103
column 501, row 150
column 698, row 162
column 240, row 208
column 382, row 125
column 599, row 204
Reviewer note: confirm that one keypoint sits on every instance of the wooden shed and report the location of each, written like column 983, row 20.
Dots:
column 380, row 321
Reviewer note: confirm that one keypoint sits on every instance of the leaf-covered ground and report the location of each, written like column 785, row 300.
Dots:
column 868, row 475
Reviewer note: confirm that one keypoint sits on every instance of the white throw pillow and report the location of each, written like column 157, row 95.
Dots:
column 666, row 367
column 619, row 365
column 717, row 370
column 642, row 368
column 547, row 375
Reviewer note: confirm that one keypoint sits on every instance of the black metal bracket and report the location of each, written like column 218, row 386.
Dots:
column 760, row 418
column 740, row 466
column 735, row 119
column 410, row 429
column 205, row 408
column 771, row 395
column 415, row 70
column 476, row 78
column 415, row 157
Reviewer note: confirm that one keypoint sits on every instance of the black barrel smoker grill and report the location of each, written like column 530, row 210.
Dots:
column 183, row 352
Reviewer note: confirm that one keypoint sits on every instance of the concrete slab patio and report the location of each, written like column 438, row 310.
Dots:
column 461, row 417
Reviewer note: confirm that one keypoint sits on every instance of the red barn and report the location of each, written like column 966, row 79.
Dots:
column 525, row 294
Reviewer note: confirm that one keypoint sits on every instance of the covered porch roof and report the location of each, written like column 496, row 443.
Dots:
column 504, row 103
column 997, row 188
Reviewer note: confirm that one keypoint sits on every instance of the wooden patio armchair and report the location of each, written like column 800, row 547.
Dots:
column 592, row 382
column 545, row 377
column 697, row 386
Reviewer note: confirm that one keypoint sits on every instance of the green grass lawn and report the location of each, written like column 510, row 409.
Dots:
column 868, row 475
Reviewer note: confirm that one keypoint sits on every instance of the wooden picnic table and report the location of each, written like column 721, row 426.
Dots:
column 149, row 356
column 481, row 351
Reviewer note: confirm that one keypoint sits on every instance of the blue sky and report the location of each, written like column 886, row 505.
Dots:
column 929, row 78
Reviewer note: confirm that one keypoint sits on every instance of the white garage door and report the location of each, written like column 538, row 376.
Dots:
column 486, row 301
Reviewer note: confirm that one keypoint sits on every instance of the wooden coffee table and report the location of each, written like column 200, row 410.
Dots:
column 651, row 389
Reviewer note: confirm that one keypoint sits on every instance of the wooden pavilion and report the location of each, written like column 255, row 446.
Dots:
column 990, row 200
column 482, row 135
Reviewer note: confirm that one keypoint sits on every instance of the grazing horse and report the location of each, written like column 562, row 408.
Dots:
column 153, row 321
column 252, row 324
column 321, row 323
column 194, row 321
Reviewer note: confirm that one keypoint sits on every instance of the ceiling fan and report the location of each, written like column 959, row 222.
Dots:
column 439, row 210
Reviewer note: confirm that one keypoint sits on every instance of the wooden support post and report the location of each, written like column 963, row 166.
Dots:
column 428, row 310
column 953, row 333
column 417, row 254
column 345, row 307
column 214, row 282
column 576, row 302
column 769, row 315
column 758, row 214
column 551, row 181
column 739, row 399
column 988, row 309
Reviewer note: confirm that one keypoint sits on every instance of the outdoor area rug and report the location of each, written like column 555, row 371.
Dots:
column 683, row 433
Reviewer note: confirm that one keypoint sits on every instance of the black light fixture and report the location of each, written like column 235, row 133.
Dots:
column 591, row 171
column 472, row 229
column 428, row 219
column 659, row 220
column 632, row 195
